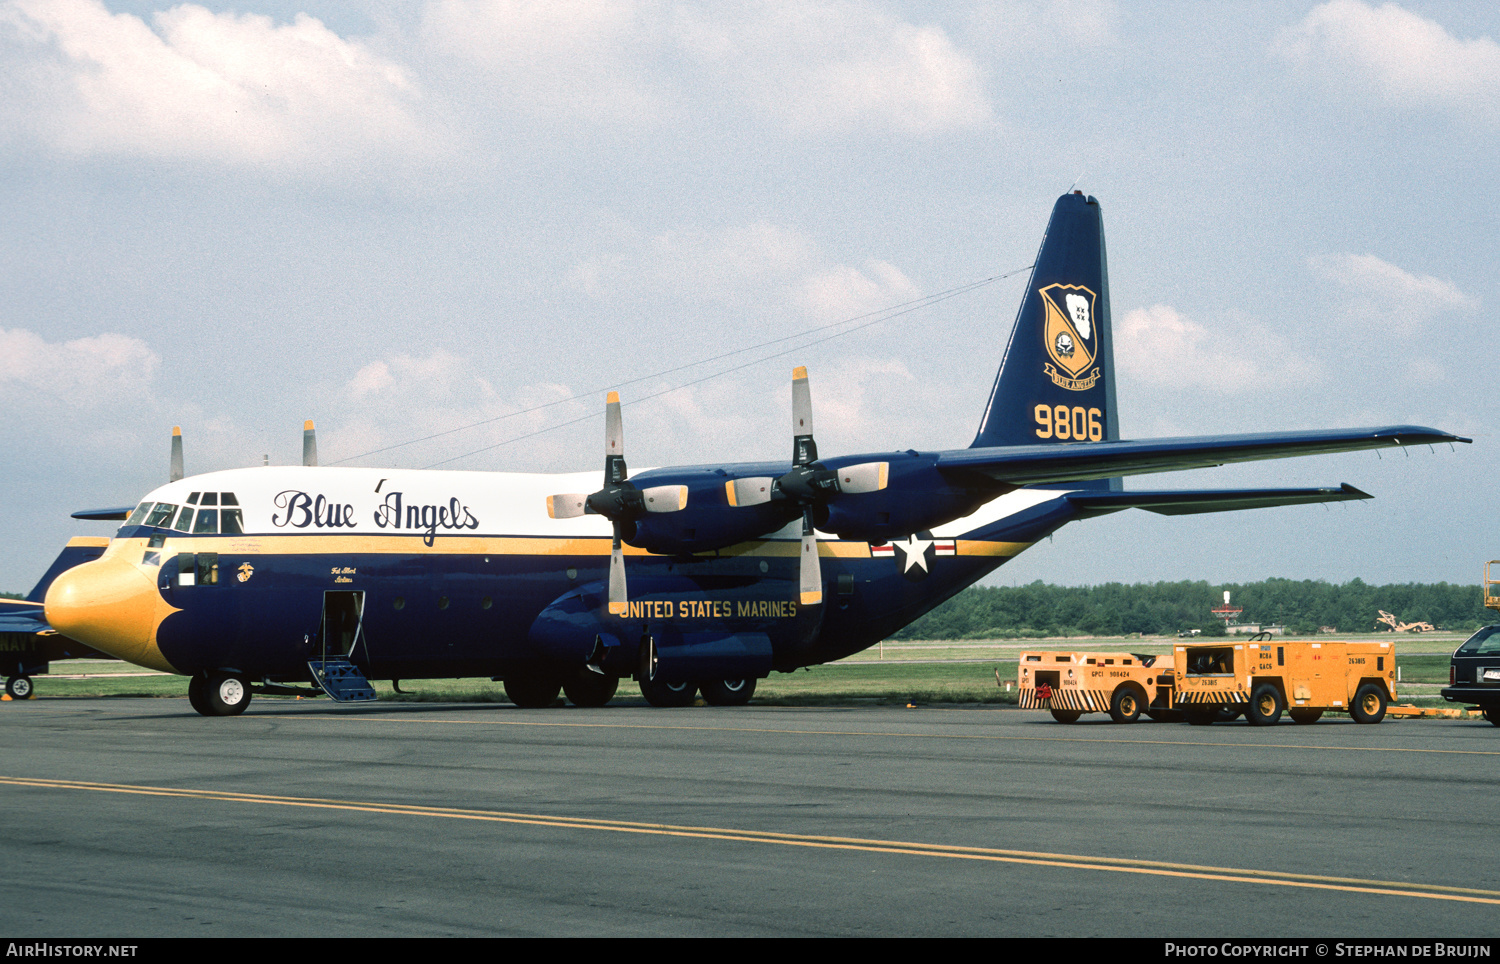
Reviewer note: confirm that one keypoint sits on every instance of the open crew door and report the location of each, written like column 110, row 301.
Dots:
column 339, row 633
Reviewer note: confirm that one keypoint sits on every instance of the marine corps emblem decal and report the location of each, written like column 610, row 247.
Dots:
column 1071, row 336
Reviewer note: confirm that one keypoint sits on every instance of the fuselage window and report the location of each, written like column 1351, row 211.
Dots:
column 185, row 519
column 208, row 568
column 230, row 522
column 208, row 521
column 161, row 514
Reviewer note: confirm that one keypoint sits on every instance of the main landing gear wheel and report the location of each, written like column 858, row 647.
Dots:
column 727, row 692
column 663, row 694
column 1265, row 706
column 219, row 694
column 1066, row 716
column 531, row 692
column 589, row 689
column 1369, row 704
column 1304, row 715
column 18, row 687
column 1125, row 705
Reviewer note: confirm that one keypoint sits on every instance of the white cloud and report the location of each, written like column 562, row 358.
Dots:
column 1160, row 347
column 835, row 66
column 806, row 66
column 713, row 264
column 1378, row 292
column 195, row 84
column 582, row 57
column 1409, row 60
column 846, row 292
column 83, row 372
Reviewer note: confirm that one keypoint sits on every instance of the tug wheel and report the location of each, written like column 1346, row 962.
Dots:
column 1066, row 716
column 1125, row 705
column 1369, row 704
column 1265, row 705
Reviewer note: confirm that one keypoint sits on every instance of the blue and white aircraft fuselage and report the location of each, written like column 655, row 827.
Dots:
column 700, row 579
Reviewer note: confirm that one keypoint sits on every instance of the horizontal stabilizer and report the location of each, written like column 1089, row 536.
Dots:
column 1035, row 464
column 1191, row 502
column 104, row 515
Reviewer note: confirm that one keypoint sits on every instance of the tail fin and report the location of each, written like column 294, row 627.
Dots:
column 1057, row 378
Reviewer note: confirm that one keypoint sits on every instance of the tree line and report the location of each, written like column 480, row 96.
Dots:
column 1163, row 608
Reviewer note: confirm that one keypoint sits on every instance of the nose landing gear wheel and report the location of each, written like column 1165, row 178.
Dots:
column 18, row 687
column 219, row 694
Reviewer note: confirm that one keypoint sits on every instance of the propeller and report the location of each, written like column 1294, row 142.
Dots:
column 176, row 471
column 309, row 443
column 809, row 484
column 620, row 501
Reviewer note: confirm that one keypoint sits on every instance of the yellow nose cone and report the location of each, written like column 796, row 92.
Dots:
column 112, row 606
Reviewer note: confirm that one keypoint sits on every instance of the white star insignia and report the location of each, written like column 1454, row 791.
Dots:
column 915, row 551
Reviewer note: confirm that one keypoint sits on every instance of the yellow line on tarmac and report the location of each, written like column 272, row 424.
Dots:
column 870, row 733
column 993, row 855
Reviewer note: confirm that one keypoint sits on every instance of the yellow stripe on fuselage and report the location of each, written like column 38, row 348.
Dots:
column 315, row 544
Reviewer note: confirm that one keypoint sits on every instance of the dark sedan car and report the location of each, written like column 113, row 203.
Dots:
column 1474, row 674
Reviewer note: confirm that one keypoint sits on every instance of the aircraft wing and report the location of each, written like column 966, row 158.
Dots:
column 1190, row 502
column 1077, row 461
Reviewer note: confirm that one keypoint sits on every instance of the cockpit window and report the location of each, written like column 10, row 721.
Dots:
column 138, row 514
column 210, row 498
column 227, row 498
column 208, row 521
column 231, row 523
column 193, row 499
column 185, row 519
column 161, row 514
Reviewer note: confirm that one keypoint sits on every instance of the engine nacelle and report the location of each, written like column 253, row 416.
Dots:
column 708, row 521
column 916, row 497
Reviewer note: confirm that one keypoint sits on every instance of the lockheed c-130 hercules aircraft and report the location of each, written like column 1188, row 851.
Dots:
column 698, row 580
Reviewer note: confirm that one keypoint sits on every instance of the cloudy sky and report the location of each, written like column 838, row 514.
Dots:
column 403, row 219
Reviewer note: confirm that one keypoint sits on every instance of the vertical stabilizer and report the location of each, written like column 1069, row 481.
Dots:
column 1057, row 378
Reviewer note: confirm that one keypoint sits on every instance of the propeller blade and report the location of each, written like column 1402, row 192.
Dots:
column 614, row 441
column 865, row 477
column 752, row 491
column 665, row 498
column 568, row 506
column 804, row 449
column 619, row 602
column 309, row 444
column 811, row 570
column 175, row 472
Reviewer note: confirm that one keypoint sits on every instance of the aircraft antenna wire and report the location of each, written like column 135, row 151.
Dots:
column 915, row 303
column 883, row 314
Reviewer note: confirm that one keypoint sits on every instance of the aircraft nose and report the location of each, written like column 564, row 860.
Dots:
column 112, row 606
